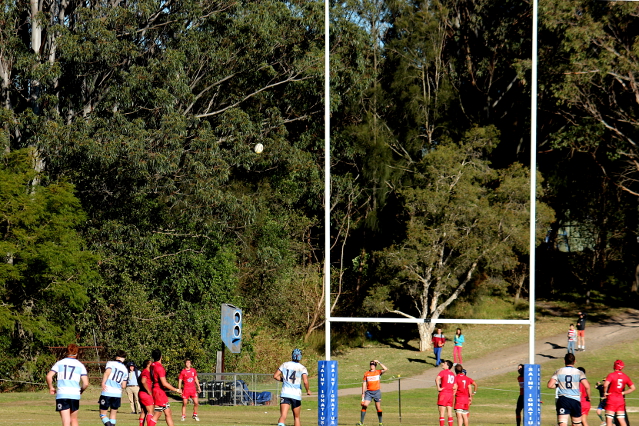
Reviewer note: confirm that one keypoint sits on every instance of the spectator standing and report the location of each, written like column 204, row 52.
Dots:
column 133, row 388
column 581, row 332
column 572, row 337
column 72, row 380
column 439, row 340
column 457, row 349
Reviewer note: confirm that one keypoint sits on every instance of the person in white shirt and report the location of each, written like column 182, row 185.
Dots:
column 72, row 381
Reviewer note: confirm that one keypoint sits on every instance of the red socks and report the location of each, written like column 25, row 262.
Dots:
column 441, row 421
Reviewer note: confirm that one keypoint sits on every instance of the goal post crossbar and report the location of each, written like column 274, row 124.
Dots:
column 428, row 320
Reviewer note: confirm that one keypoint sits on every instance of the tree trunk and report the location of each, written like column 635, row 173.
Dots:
column 425, row 335
column 635, row 282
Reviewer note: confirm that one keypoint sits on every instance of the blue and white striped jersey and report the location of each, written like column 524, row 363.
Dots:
column 68, row 373
column 568, row 379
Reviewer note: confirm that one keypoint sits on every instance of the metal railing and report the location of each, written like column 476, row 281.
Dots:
column 238, row 389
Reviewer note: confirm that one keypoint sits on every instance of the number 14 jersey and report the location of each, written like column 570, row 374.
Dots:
column 292, row 373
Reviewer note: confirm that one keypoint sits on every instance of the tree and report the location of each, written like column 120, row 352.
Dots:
column 45, row 267
column 462, row 217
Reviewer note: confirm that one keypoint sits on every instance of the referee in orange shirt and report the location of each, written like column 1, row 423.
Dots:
column 371, row 390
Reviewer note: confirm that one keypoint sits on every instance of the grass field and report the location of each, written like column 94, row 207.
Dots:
column 493, row 405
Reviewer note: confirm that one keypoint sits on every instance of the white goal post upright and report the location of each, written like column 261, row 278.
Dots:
column 327, row 208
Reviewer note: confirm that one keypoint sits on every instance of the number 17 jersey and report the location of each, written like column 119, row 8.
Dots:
column 292, row 373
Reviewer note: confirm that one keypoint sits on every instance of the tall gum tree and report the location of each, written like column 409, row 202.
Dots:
column 462, row 217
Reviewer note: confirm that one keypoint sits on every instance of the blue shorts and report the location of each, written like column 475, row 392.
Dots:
column 294, row 403
column 568, row 406
column 67, row 404
column 112, row 402
column 373, row 396
column 602, row 404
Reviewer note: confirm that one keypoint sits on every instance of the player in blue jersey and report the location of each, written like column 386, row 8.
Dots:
column 113, row 381
column 292, row 374
column 567, row 380
column 72, row 381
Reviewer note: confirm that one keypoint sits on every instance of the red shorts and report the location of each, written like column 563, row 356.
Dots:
column 585, row 408
column 461, row 403
column 445, row 399
column 618, row 405
column 581, row 333
column 189, row 393
column 159, row 398
column 146, row 399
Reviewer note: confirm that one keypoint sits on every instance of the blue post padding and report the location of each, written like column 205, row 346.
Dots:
column 231, row 327
column 327, row 393
column 532, row 395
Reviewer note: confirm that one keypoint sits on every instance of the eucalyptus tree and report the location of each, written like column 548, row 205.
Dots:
column 462, row 217
column 152, row 109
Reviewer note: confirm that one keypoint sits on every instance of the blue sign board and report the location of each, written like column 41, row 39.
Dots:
column 532, row 395
column 327, row 393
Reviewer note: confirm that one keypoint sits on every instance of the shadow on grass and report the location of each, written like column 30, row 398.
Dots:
column 555, row 346
column 423, row 361
column 548, row 356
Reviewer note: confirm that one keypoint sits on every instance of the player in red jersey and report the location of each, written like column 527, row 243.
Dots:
column 463, row 395
column 520, row 400
column 188, row 376
column 585, row 400
column 445, row 381
column 159, row 387
column 145, row 395
column 614, row 388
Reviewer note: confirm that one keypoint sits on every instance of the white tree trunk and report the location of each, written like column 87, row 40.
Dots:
column 425, row 335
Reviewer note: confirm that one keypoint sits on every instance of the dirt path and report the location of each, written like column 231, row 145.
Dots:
column 616, row 330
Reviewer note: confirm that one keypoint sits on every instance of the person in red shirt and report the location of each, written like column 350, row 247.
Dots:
column 159, row 388
column 439, row 340
column 146, row 400
column 445, row 381
column 585, row 400
column 614, row 388
column 463, row 395
column 188, row 376
column 372, row 390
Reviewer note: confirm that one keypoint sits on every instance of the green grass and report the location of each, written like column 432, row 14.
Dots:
column 493, row 405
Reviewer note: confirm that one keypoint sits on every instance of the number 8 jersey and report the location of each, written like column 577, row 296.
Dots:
column 568, row 379
column 292, row 373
